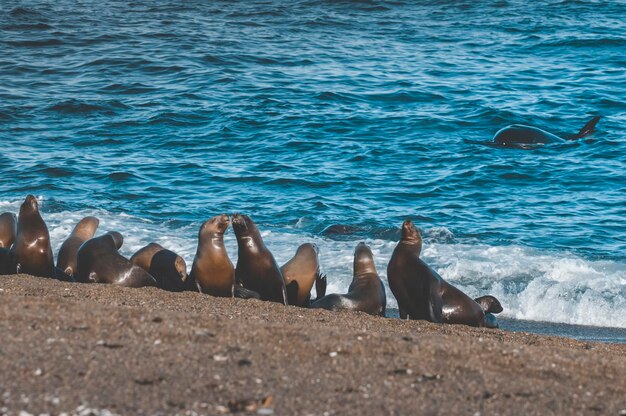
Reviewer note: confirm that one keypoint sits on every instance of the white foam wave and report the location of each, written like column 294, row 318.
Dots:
column 531, row 284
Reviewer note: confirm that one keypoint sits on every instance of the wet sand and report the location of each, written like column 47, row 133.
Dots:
column 95, row 349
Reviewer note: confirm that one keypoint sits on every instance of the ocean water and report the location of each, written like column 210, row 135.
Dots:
column 156, row 115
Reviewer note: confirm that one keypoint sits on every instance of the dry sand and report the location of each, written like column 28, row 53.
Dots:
column 95, row 349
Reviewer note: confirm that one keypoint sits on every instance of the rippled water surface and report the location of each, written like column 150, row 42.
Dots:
column 155, row 115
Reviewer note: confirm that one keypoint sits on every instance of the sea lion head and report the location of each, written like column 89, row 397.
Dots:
column 308, row 249
column 118, row 239
column 410, row 233
column 86, row 228
column 215, row 225
column 243, row 225
column 363, row 259
column 29, row 206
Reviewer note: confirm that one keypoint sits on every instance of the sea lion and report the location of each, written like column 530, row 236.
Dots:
column 518, row 135
column 167, row 267
column 300, row 273
column 31, row 249
column 212, row 270
column 423, row 294
column 8, row 229
column 366, row 292
column 98, row 261
column 83, row 231
column 256, row 267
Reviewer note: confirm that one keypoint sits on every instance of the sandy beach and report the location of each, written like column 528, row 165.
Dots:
column 95, row 349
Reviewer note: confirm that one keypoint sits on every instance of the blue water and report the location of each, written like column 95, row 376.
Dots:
column 155, row 115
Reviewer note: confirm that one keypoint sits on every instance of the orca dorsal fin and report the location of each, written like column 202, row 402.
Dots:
column 589, row 128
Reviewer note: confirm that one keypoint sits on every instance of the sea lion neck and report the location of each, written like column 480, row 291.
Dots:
column 363, row 260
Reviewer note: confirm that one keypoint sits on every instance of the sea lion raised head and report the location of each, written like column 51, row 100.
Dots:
column 8, row 229
column 256, row 267
column 31, row 249
column 83, row 231
column 411, row 236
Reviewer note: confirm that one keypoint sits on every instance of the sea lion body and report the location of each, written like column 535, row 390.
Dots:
column 519, row 135
column 366, row 292
column 98, row 261
column 212, row 271
column 8, row 229
column 422, row 293
column 168, row 268
column 31, row 249
column 300, row 273
column 83, row 231
column 256, row 267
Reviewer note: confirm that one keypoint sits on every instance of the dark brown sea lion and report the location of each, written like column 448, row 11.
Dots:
column 84, row 230
column 98, row 261
column 31, row 249
column 212, row 270
column 8, row 229
column 167, row 267
column 300, row 273
column 366, row 292
column 256, row 267
column 423, row 294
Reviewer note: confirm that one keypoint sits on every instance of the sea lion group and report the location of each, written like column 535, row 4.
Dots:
column 421, row 293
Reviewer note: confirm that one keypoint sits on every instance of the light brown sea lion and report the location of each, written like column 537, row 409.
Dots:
column 83, row 231
column 256, row 267
column 31, row 249
column 300, row 273
column 212, row 270
column 167, row 267
column 8, row 229
column 366, row 292
column 98, row 261
column 423, row 294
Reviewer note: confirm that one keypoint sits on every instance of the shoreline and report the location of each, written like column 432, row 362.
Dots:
column 126, row 350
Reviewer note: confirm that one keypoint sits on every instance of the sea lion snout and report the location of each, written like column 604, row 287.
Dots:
column 410, row 232
column 30, row 204
column 240, row 223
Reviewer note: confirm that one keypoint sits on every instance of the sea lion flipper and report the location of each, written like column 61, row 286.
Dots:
column 243, row 293
column 63, row 275
column 321, row 283
column 589, row 128
column 292, row 292
column 491, row 321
